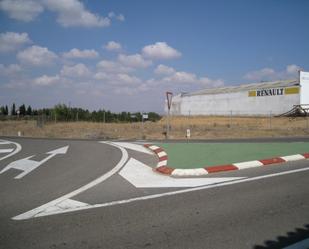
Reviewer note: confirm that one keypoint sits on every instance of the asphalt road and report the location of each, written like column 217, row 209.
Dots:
column 267, row 208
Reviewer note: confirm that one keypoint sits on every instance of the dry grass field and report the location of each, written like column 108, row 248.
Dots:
column 201, row 128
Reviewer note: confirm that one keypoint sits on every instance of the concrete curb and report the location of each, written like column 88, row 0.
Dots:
column 163, row 168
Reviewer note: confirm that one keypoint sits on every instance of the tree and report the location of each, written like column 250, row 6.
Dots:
column 6, row 110
column 61, row 112
column 13, row 110
column 22, row 110
column 2, row 110
column 29, row 111
column 152, row 116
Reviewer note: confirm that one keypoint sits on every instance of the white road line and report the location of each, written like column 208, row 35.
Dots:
column 18, row 149
column 149, row 197
column 4, row 142
column 41, row 209
column 133, row 146
column 6, row 150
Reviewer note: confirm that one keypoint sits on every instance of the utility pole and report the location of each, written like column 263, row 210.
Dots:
column 142, row 125
column 169, row 96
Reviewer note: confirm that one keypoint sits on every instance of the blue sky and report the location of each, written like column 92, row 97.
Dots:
column 124, row 55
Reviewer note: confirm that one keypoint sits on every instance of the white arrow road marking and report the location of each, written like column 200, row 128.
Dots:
column 52, row 207
column 10, row 150
column 142, row 176
column 132, row 146
column 37, row 212
column 26, row 165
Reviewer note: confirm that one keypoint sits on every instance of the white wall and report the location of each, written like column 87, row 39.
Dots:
column 239, row 103
column 304, row 90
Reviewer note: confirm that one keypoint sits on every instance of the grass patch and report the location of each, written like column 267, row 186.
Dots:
column 195, row 155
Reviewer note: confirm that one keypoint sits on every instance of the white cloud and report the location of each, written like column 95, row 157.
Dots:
column 208, row 82
column 112, row 67
column 270, row 74
column 263, row 74
column 292, row 69
column 113, row 46
column 22, row 10
column 81, row 54
column 128, row 79
column 181, row 77
column 125, row 91
column 10, row 70
column 119, row 17
column 160, row 50
column 102, row 76
column 135, row 61
column 79, row 70
column 11, row 41
column 46, row 80
column 164, row 70
column 143, row 87
column 111, row 14
column 120, row 79
column 72, row 13
column 17, row 84
column 37, row 56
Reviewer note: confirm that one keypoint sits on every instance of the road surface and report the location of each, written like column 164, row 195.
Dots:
column 89, row 194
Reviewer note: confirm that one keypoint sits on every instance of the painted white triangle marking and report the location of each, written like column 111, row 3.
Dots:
column 69, row 203
column 142, row 176
column 62, row 150
column 52, row 208
column 60, row 207
column 132, row 146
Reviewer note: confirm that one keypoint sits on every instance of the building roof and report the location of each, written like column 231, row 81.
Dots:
column 246, row 87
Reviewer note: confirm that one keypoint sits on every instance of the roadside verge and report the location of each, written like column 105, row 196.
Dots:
column 163, row 168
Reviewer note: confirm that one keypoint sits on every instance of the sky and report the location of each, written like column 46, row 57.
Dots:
column 124, row 55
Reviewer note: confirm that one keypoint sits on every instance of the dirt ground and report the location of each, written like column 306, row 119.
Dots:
column 200, row 128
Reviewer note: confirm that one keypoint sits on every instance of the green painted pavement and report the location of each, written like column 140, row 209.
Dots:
column 196, row 155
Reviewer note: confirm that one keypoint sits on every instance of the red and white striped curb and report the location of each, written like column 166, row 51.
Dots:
column 164, row 169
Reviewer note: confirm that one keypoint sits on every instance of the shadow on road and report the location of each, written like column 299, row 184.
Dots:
column 291, row 238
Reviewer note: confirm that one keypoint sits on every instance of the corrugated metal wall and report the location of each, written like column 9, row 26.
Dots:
column 253, row 102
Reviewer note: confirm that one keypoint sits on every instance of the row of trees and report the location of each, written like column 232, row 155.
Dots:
column 62, row 112
column 22, row 110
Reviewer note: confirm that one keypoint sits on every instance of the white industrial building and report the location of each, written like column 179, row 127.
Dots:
column 265, row 98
